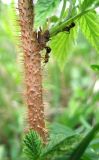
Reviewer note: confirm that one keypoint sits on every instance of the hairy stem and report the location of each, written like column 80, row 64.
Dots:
column 32, row 68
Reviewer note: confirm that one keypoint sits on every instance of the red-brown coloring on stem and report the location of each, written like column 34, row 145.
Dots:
column 32, row 68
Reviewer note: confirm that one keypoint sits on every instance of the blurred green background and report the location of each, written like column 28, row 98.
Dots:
column 71, row 96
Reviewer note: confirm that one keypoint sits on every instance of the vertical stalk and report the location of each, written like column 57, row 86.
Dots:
column 32, row 68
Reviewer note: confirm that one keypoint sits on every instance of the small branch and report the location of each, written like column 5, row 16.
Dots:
column 63, row 10
column 56, row 29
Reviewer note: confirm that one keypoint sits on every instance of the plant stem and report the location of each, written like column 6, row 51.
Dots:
column 32, row 68
column 63, row 10
column 56, row 29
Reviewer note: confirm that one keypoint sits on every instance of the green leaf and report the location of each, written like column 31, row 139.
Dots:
column 80, row 149
column 43, row 10
column 62, row 45
column 54, row 19
column 89, row 3
column 89, row 24
column 57, row 128
column 95, row 67
column 90, row 154
column 62, row 139
column 32, row 145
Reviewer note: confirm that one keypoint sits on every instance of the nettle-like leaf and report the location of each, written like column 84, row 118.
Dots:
column 62, row 45
column 43, row 10
column 89, row 26
column 59, row 144
column 89, row 3
column 32, row 145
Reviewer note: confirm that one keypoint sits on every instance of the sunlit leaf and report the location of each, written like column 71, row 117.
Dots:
column 43, row 10
column 89, row 24
column 62, row 45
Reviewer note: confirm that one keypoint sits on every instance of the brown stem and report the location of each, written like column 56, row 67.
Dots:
column 32, row 68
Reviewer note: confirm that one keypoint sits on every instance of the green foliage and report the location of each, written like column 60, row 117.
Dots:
column 90, row 155
column 74, row 102
column 95, row 67
column 32, row 145
column 65, row 145
column 78, row 152
column 89, row 26
column 77, row 101
column 11, row 124
column 55, row 127
column 57, row 144
column 62, row 45
column 60, row 143
column 88, row 3
column 43, row 10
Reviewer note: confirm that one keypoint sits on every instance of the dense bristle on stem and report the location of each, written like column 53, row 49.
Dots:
column 32, row 68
